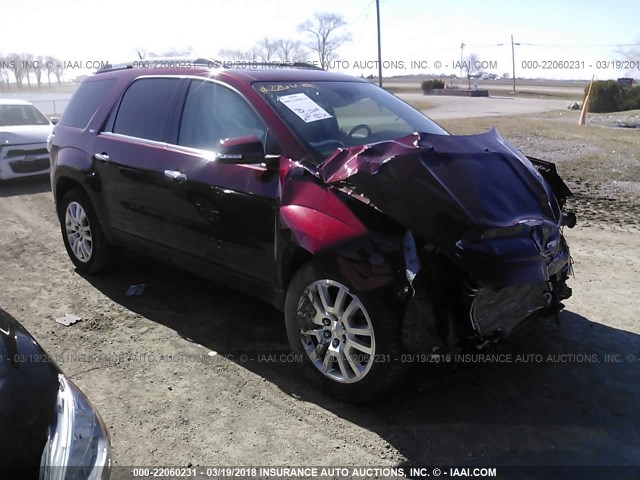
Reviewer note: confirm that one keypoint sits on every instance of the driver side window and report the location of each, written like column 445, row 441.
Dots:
column 212, row 113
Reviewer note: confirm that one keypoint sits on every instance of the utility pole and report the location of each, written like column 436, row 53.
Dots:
column 513, row 63
column 379, row 45
column 461, row 51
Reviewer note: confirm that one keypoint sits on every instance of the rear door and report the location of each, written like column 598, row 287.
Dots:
column 131, row 157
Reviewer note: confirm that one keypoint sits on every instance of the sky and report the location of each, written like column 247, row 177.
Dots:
column 581, row 36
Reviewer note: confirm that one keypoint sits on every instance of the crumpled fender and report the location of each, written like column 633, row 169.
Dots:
column 317, row 218
column 321, row 223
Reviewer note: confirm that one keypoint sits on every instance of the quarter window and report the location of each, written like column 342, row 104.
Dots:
column 85, row 102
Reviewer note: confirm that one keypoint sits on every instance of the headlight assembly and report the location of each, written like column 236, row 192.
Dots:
column 78, row 444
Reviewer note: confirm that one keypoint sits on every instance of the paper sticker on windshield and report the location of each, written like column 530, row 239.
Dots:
column 308, row 110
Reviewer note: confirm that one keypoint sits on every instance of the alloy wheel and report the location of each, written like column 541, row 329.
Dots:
column 78, row 232
column 338, row 337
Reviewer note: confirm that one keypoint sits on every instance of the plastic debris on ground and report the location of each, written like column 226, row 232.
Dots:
column 68, row 319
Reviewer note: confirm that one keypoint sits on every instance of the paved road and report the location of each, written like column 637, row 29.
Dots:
column 444, row 107
column 568, row 90
column 465, row 107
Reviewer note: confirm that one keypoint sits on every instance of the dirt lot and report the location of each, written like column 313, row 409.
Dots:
column 146, row 364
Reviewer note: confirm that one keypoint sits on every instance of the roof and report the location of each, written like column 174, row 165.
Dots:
column 13, row 101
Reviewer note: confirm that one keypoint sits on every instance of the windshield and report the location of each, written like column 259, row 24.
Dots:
column 330, row 115
column 11, row 115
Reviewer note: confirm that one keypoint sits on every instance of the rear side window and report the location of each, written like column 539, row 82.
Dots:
column 85, row 102
column 145, row 108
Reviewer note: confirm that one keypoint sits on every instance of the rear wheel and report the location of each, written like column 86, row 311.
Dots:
column 348, row 340
column 82, row 235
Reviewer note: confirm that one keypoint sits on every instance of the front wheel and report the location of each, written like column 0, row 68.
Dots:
column 82, row 235
column 349, row 340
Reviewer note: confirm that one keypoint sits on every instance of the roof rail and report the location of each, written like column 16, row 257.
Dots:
column 204, row 62
column 253, row 64
column 159, row 62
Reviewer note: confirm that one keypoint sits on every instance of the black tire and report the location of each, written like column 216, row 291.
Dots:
column 386, row 369
column 102, row 254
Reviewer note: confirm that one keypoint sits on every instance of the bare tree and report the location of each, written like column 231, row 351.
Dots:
column 27, row 65
column 229, row 55
column 4, row 74
column 324, row 38
column 185, row 52
column 37, row 69
column 267, row 49
column 471, row 67
column 291, row 51
column 58, row 70
column 49, row 65
column 16, row 67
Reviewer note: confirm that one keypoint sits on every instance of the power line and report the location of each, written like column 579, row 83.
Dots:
column 522, row 44
column 582, row 46
column 364, row 13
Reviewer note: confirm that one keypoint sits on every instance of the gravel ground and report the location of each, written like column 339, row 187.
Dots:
column 619, row 120
column 613, row 203
column 167, row 370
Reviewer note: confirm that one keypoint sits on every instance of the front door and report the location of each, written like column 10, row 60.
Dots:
column 223, row 213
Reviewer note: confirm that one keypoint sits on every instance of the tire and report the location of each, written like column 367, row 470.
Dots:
column 356, row 367
column 82, row 234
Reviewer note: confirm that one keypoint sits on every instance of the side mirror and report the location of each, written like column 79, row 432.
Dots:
column 246, row 149
column 54, row 120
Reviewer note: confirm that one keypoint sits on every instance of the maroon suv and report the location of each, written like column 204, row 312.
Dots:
column 373, row 229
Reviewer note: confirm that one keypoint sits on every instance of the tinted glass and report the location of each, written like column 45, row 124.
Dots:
column 326, row 116
column 21, row 115
column 145, row 108
column 212, row 113
column 85, row 102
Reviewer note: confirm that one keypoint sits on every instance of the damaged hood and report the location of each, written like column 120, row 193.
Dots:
column 447, row 188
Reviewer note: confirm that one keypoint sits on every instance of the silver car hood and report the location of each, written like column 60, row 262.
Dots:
column 24, row 134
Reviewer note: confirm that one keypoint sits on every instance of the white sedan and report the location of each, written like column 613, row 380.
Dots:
column 23, row 139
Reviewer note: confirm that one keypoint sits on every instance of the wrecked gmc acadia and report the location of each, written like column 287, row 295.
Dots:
column 373, row 229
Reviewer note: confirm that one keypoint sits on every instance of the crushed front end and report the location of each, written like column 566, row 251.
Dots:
column 483, row 248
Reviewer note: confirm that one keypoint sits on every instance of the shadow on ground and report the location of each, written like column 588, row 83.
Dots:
column 541, row 408
column 25, row 186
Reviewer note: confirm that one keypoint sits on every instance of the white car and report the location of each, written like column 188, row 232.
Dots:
column 23, row 140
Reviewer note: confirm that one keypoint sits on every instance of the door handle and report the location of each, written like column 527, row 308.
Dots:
column 175, row 175
column 103, row 157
